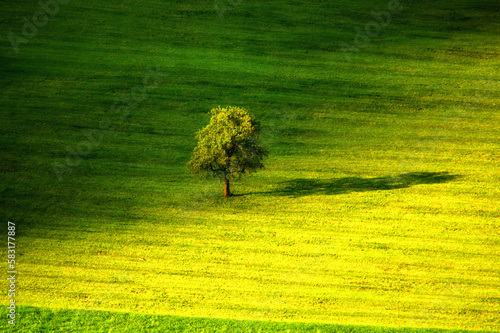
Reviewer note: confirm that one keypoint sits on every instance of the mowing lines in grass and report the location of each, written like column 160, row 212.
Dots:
column 120, row 108
column 454, row 119
column 485, row 90
column 40, row 19
column 72, row 320
column 372, row 29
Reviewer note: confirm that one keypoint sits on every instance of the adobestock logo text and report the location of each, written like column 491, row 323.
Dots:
column 47, row 10
column 372, row 29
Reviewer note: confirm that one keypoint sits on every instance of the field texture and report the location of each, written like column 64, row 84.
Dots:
column 380, row 201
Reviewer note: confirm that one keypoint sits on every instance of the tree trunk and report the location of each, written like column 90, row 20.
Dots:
column 227, row 192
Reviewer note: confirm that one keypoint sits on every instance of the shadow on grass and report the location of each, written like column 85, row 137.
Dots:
column 303, row 186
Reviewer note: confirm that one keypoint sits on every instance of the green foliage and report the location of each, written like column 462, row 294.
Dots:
column 229, row 145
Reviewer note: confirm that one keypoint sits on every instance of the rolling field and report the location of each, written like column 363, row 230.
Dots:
column 379, row 205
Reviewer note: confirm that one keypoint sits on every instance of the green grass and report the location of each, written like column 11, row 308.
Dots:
column 379, row 205
column 46, row 320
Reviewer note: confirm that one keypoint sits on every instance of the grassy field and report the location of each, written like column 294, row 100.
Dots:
column 46, row 320
column 379, row 204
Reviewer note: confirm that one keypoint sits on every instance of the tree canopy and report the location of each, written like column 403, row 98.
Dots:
column 228, row 146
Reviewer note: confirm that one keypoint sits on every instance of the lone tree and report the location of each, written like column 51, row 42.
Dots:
column 228, row 146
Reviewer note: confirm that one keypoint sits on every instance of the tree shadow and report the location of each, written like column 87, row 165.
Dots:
column 304, row 186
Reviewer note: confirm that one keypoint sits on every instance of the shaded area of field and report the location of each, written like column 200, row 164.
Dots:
column 46, row 320
column 301, row 187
